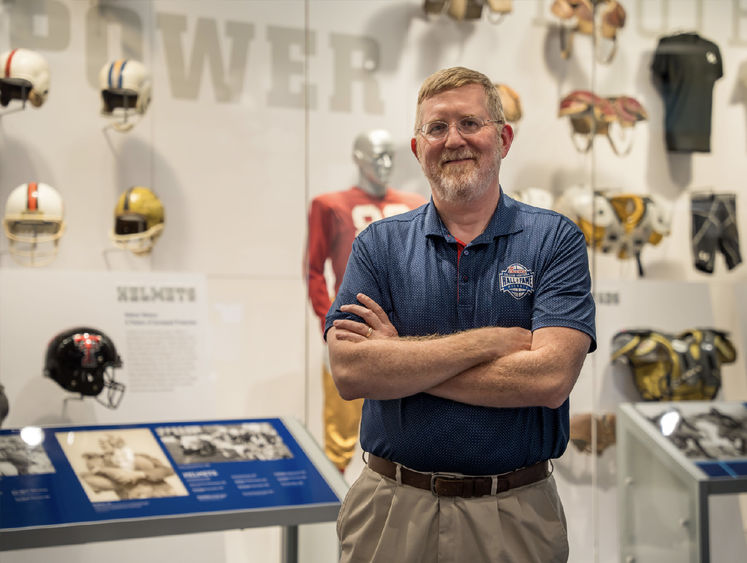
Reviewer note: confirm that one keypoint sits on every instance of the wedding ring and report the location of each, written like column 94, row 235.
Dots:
column 370, row 331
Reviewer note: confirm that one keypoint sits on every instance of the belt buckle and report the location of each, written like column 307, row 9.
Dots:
column 444, row 476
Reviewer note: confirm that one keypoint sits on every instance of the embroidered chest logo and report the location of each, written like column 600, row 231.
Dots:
column 517, row 281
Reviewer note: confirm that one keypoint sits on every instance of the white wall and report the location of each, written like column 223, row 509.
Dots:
column 236, row 148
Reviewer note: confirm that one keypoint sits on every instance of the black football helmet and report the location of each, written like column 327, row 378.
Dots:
column 3, row 404
column 82, row 360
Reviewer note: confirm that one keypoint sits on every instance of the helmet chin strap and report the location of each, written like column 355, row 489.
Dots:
column 123, row 126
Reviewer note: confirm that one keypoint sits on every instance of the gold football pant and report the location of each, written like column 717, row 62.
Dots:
column 341, row 421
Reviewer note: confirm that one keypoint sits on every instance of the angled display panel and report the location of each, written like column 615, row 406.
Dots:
column 66, row 485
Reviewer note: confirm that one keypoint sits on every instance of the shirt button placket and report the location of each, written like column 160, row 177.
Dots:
column 466, row 299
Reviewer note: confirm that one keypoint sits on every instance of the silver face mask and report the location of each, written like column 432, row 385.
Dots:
column 381, row 165
column 374, row 155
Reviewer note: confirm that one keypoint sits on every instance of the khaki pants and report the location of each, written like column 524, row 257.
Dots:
column 341, row 423
column 381, row 521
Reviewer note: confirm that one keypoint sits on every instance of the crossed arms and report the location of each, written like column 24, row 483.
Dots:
column 490, row 366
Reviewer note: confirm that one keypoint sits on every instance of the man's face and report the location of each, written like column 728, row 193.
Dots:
column 461, row 168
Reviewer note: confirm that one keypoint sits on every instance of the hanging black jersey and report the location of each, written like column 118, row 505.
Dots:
column 686, row 66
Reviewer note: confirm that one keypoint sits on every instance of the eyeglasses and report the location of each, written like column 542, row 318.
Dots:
column 469, row 125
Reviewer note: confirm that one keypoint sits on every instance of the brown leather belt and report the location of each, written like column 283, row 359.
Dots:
column 466, row 487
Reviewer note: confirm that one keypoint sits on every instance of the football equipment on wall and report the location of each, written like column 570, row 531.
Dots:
column 34, row 222
column 613, row 117
column 138, row 220
column 469, row 9
column 714, row 228
column 125, row 86
column 465, row 9
column 681, row 367
column 500, row 6
column 616, row 223
column 589, row 115
column 589, row 429
column 599, row 18
column 83, row 360
column 434, row 6
column 511, row 103
column 25, row 76
column 534, row 196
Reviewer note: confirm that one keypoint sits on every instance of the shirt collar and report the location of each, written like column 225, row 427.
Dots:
column 503, row 222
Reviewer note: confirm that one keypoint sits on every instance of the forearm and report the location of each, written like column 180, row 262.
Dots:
column 158, row 473
column 511, row 381
column 542, row 376
column 392, row 368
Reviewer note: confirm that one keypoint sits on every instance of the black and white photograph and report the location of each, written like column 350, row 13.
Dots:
column 19, row 458
column 114, row 465
column 248, row 441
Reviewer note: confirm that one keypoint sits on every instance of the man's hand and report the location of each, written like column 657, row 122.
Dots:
column 376, row 326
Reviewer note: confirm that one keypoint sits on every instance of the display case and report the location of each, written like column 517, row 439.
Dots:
column 81, row 484
column 249, row 112
column 673, row 460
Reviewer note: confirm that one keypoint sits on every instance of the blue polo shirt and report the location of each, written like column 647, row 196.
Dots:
column 529, row 268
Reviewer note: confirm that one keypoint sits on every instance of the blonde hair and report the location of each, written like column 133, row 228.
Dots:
column 456, row 77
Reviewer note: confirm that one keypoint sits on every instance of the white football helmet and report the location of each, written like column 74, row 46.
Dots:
column 138, row 220
column 536, row 197
column 25, row 76
column 125, row 85
column 34, row 223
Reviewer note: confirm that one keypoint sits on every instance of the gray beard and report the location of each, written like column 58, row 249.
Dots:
column 462, row 186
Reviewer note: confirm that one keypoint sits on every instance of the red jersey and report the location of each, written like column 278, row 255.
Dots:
column 335, row 219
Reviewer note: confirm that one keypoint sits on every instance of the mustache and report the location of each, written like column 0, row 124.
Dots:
column 460, row 154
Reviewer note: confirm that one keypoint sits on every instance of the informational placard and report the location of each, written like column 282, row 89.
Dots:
column 157, row 323
column 68, row 476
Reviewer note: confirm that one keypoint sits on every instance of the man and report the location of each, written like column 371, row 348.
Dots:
column 14, row 459
column 129, row 474
column 334, row 221
column 477, row 316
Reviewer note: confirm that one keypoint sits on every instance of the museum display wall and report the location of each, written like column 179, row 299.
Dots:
column 254, row 108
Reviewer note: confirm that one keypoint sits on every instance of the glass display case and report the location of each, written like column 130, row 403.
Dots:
column 680, row 466
column 247, row 111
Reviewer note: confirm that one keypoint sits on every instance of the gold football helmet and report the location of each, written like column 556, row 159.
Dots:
column 138, row 220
